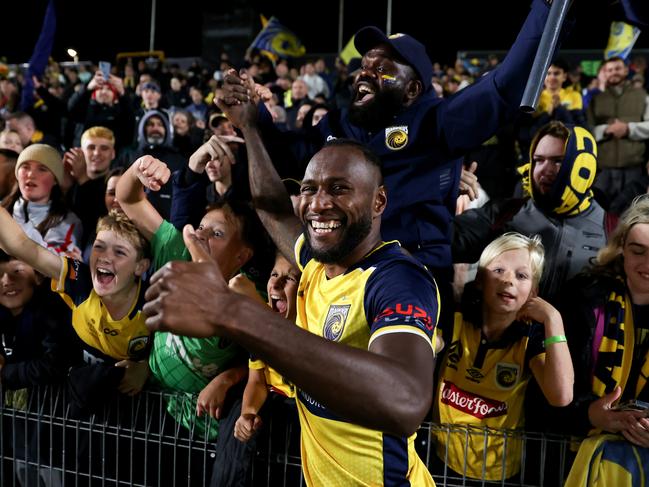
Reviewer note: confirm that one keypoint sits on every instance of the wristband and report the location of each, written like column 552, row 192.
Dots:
column 554, row 339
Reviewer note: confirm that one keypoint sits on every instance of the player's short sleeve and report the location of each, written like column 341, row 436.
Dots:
column 167, row 244
column 402, row 298
column 75, row 282
column 302, row 252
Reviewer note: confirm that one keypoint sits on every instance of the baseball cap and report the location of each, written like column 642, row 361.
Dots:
column 151, row 86
column 410, row 49
column 216, row 117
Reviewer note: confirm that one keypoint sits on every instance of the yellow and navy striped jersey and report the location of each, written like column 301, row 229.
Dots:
column 386, row 292
column 483, row 384
column 104, row 338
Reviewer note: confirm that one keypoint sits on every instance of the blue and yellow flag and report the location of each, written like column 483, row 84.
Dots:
column 621, row 40
column 278, row 40
column 40, row 56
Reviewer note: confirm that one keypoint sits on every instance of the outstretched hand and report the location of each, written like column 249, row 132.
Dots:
column 189, row 298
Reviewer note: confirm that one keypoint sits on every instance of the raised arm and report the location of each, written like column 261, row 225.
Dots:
column 388, row 387
column 471, row 116
column 269, row 196
column 144, row 172
column 554, row 373
column 16, row 243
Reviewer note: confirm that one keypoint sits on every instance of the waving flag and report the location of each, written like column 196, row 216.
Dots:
column 278, row 40
column 349, row 52
column 621, row 40
column 40, row 56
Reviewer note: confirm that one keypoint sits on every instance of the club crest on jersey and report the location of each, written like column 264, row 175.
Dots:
column 137, row 345
column 335, row 321
column 507, row 375
column 396, row 138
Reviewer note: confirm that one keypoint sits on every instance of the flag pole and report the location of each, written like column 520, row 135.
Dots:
column 152, row 28
column 341, row 16
column 544, row 54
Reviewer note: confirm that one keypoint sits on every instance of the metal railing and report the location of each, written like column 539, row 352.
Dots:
column 46, row 441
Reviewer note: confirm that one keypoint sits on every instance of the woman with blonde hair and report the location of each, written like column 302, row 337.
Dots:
column 607, row 309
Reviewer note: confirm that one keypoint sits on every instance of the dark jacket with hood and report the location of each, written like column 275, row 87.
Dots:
column 570, row 222
column 165, row 151
column 422, row 148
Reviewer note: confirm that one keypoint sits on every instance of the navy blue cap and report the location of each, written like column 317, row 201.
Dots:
column 410, row 49
column 151, row 86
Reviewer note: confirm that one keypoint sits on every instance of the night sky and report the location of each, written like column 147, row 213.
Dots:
column 105, row 28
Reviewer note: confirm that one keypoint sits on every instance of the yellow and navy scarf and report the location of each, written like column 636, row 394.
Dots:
column 571, row 193
column 615, row 353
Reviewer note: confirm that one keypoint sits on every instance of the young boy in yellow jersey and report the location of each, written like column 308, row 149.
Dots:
column 282, row 294
column 494, row 348
column 106, row 298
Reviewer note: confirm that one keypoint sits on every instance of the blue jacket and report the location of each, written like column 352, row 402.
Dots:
column 422, row 175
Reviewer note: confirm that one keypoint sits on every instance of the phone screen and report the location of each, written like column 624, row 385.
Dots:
column 104, row 67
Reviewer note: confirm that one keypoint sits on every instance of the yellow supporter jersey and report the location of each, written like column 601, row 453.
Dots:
column 386, row 292
column 274, row 380
column 104, row 338
column 482, row 384
column 570, row 99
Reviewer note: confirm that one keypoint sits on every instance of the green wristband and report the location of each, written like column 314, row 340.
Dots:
column 554, row 339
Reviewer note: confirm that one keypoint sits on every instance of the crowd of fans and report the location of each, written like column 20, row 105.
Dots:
column 99, row 176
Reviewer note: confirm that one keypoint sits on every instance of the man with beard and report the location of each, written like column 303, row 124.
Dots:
column 420, row 138
column 362, row 355
column 620, row 117
column 154, row 138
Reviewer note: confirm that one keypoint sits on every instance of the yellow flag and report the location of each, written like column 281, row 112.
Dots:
column 621, row 40
column 349, row 52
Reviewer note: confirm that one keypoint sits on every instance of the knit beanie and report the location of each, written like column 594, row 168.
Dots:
column 46, row 155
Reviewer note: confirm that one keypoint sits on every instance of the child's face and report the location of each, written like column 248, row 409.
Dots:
column 11, row 140
column 507, row 282
column 282, row 288
column 219, row 230
column 35, row 182
column 114, row 264
column 218, row 170
column 17, row 283
column 109, row 197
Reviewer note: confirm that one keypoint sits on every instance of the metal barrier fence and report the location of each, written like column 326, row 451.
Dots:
column 46, row 441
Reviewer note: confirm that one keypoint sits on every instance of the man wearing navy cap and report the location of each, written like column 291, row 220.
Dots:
column 419, row 137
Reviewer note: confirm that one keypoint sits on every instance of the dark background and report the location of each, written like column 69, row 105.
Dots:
column 98, row 30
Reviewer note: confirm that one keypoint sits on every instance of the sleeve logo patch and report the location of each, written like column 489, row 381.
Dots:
column 396, row 138
column 335, row 321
